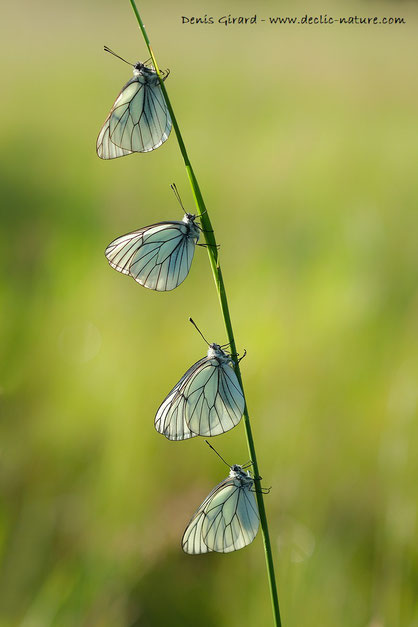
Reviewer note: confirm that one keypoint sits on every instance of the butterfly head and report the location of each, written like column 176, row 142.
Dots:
column 215, row 351
column 189, row 218
column 237, row 472
column 149, row 74
column 138, row 68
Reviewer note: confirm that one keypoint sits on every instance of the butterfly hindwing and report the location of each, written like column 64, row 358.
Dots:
column 207, row 400
column 157, row 256
column 138, row 121
column 231, row 518
column 163, row 260
column 227, row 520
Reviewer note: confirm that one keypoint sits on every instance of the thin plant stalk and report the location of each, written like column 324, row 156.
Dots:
column 212, row 249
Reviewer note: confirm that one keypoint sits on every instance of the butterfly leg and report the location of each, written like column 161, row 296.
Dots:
column 237, row 354
column 217, row 246
column 245, row 352
column 261, row 490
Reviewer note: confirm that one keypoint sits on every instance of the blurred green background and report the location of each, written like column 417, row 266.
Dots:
column 304, row 140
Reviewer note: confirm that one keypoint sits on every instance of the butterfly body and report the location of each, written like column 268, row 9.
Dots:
column 139, row 120
column 237, row 472
column 227, row 520
column 158, row 256
column 216, row 352
column 207, row 400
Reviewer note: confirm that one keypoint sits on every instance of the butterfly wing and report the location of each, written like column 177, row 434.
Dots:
column 106, row 149
column 121, row 251
column 214, row 399
column 158, row 256
column 138, row 121
column 192, row 541
column 163, row 260
column 226, row 521
column 170, row 418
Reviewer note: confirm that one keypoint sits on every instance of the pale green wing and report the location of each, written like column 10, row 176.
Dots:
column 231, row 518
column 192, row 541
column 170, row 417
column 163, row 260
column 158, row 256
column 226, row 521
column 120, row 252
column 215, row 402
column 139, row 120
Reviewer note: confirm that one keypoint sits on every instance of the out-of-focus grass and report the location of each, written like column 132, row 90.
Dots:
column 305, row 146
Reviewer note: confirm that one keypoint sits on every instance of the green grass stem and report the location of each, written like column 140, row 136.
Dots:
column 209, row 236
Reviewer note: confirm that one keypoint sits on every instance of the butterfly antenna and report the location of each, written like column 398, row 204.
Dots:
column 200, row 332
column 177, row 195
column 107, row 49
column 220, row 456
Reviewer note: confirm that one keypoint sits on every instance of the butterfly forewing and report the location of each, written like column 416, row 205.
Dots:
column 106, row 149
column 170, row 418
column 121, row 251
column 192, row 542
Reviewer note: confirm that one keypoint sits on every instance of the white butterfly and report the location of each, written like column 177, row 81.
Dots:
column 158, row 256
column 227, row 520
column 207, row 400
column 139, row 120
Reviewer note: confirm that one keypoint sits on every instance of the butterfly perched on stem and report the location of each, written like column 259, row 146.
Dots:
column 207, row 400
column 228, row 518
column 139, row 120
column 158, row 256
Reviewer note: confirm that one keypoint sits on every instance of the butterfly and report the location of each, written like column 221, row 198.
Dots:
column 207, row 400
column 158, row 256
column 227, row 520
column 139, row 120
